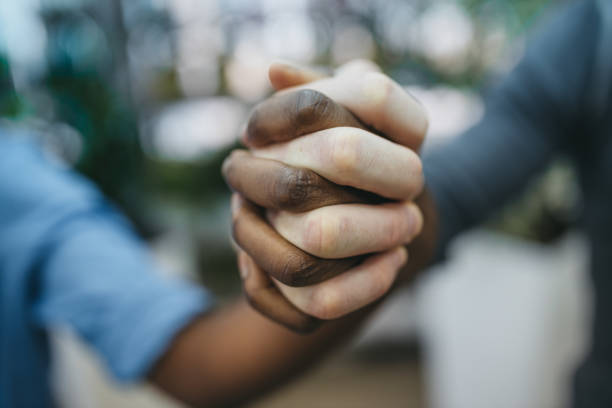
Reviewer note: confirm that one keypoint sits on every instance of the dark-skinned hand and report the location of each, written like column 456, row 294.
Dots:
column 323, row 205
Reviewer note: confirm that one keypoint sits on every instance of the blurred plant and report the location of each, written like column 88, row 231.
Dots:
column 80, row 78
column 113, row 70
column 10, row 103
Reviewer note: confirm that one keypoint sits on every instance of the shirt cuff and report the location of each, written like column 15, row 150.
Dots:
column 148, row 341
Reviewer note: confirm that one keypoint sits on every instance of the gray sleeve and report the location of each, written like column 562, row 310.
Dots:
column 534, row 113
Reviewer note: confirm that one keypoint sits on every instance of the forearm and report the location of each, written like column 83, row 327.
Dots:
column 533, row 115
column 235, row 354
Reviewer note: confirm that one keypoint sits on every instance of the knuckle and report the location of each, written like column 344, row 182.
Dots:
column 321, row 234
column 327, row 304
column 313, row 234
column 311, row 106
column 236, row 230
column 229, row 164
column 293, row 188
column 345, row 150
column 256, row 130
column 381, row 285
column 413, row 184
column 396, row 230
column 296, row 270
column 378, row 88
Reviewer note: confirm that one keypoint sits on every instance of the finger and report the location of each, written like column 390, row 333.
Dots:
column 275, row 185
column 288, row 115
column 283, row 75
column 379, row 102
column 357, row 67
column 350, row 291
column 275, row 255
column 356, row 158
column 264, row 296
column 344, row 230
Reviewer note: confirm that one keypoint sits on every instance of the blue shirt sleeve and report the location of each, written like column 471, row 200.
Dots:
column 536, row 112
column 85, row 267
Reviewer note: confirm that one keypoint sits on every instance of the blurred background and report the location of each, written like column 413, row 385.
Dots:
column 146, row 98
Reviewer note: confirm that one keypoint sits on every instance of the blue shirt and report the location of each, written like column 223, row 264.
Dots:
column 67, row 258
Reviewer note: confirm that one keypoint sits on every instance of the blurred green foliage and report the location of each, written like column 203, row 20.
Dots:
column 87, row 51
column 10, row 103
column 90, row 85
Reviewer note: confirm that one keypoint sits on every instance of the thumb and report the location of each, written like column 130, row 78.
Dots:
column 285, row 75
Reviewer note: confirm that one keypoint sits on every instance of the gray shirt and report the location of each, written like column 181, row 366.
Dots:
column 558, row 100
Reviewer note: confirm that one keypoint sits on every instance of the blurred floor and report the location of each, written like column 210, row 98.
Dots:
column 503, row 326
column 349, row 382
column 373, row 376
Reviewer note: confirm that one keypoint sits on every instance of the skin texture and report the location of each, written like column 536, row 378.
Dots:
column 374, row 98
column 289, row 265
column 286, row 116
column 283, row 187
column 278, row 113
column 370, row 281
column 232, row 355
column 340, row 231
column 354, row 157
column 266, row 182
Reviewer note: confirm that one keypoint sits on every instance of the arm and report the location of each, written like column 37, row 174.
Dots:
column 235, row 354
column 539, row 110
column 332, row 186
column 536, row 112
column 93, row 276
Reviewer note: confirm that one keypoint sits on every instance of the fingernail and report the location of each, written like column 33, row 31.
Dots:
column 415, row 218
column 234, row 155
column 243, row 266
column 401, row 257
column 243, row 138
column 225, row 165
column 235, row 203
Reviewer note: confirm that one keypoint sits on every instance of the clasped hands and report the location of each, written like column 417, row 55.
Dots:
column 324, row 201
